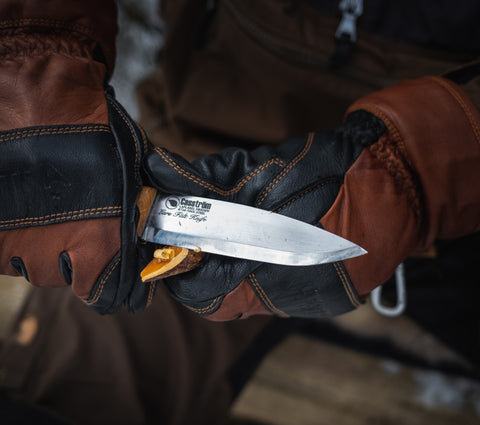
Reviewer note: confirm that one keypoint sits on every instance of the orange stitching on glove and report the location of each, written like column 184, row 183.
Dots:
column 294, row 162
column 144, row 139
column 264, row 297
column 99, row 290
column 50, row 131
column 330, row 181
column 343, row 277
column 60, row 216
column 151, row 291
column 210, row 186
column 387, row 152
column 206, row 309
column 392, row 129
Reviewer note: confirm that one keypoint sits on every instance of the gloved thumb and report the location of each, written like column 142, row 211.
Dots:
column 170, row 173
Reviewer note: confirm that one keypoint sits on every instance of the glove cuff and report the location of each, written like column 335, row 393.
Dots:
column 53, row 17
column 435, row 128
column 415, row 181
column 52, row 73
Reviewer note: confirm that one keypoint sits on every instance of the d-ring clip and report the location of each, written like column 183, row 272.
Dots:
column 399, row 308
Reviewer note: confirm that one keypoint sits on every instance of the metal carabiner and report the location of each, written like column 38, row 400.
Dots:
column 399, row 308
column 351, row 10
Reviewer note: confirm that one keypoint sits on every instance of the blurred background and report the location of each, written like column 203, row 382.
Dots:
column 358, row 369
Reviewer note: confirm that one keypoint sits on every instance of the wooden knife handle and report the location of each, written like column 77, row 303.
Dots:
column 168, row 260
column 144, row 203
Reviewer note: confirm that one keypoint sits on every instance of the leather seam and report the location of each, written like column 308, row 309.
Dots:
column 144, row 139
column 48, row 132
column 286, row 170
column 151, row 291
column 210, row 186
column 50, row 23
column 463, row 105
column 346, row 285
column 264, row 297
column 99, row 291
column 305, row 192
column 115, row 210
column 392, row 128
column 134, row 138
column 208, row 309
column 394, row 141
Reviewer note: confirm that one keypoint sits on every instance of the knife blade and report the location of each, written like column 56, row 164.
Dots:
column 235, row 230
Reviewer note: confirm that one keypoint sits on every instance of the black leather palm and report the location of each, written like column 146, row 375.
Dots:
column 300, row 179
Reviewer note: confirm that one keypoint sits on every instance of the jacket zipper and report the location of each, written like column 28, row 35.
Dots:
column 298, row 54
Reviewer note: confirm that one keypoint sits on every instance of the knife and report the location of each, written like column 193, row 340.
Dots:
column 192, row 225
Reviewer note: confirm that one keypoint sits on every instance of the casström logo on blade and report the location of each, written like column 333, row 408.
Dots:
column 172, row 202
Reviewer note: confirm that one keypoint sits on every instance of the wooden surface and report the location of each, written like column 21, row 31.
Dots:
column 13, row 291
column 305, row 381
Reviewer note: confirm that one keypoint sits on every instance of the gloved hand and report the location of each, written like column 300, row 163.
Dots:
column 69, row 156
column 395, row 176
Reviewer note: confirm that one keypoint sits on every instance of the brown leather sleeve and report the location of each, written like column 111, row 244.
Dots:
column 421, row 177
column 54, row 60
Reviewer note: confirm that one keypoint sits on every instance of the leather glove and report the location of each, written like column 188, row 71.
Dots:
column 394, row 177
column 69, row 156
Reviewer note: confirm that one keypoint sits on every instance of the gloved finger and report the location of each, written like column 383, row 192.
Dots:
column 203, row 289
column 222, row 176
column 141, row 294
column 170, row 173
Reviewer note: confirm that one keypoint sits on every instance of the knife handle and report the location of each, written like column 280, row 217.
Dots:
column 169, row 260
column 144, row 203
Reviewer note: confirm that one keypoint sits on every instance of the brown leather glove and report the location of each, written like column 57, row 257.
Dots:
column 399, row 173
column 425, row 189
column 69, row 155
